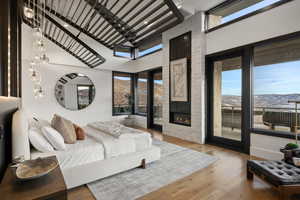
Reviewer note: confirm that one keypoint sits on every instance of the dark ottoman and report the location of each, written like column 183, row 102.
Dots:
column 283, row 176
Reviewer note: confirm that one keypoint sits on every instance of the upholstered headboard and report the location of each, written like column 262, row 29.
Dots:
column 20, row 138
column 7, row 108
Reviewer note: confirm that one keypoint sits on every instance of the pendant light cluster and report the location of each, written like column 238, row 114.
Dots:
column 39, row 50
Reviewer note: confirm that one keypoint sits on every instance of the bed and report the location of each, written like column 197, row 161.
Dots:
column 100, row 155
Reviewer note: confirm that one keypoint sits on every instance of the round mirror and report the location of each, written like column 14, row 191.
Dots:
column 74, row 91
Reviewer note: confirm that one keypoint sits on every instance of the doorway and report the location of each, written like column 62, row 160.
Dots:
column 155, row 97
column 227, row 113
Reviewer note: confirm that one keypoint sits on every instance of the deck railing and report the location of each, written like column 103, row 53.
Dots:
column 275, row 118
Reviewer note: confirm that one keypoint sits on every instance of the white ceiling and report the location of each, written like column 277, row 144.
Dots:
column 199, row 5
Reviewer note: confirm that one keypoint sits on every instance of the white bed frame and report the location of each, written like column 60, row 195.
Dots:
column 86, row 173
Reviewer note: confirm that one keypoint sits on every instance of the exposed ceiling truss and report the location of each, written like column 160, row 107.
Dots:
column 109, row 22
column 63, row 38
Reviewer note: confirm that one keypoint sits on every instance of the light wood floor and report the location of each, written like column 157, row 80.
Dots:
column 223, row 180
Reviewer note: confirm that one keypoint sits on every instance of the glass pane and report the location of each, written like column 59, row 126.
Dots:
column 227, row 98
column 276, row 86
column 84, row 95
column 141, row 96
column 150, row 50
column 157, row 98
column 122, row 94
column 236, row 10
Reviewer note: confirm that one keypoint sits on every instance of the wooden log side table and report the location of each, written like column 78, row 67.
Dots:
column 49, row 187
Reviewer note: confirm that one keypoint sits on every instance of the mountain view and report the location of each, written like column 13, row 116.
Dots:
column 264, row 100
column 122, row 91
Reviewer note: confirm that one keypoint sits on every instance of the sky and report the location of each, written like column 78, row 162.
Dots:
column 248, row 10
column 282, row 78
column 140, row 79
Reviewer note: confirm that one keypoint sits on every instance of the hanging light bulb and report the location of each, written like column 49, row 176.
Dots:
column 37, row 32
column 35, row 76
column 31, row 69
column 28, row 12
column 37, row 59
column 41, row 46
column 38, row 92
column 32, row 66
column 36, row 88
column 44, row 59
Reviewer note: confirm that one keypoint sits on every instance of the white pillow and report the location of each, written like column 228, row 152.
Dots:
column 54, row 137
column 38, row 141
column 38, row 123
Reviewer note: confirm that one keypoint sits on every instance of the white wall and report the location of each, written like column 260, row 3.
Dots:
column 141, row 64
column 196, row 132
column 278, row 21
column 101, row 107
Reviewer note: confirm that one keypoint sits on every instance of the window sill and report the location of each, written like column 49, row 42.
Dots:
column 141, row 114
column 147, row 54
column 273, row 133
column 120, row 114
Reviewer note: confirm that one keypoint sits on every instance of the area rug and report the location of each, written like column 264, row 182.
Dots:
column 176, row 163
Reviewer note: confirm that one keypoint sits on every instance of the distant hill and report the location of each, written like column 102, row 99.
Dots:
column 122, row 89
column 265, row 100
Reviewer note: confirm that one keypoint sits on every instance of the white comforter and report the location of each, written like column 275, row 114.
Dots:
column 112, row 146
column 98, row 146
column 80, row 153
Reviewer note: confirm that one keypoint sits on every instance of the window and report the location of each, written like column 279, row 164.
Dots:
column 233, row 10
column 123, row 51
column 122, row 93
column 150, row 46
column 276, row 86
column 150, row 50
column 85, row 94
column 141, row 93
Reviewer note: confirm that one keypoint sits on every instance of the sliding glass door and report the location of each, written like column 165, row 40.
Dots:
column 227, row 102
column 226, row 114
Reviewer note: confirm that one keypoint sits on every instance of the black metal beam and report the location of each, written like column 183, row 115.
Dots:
column 81, row 29
column 70, row 37
column 156, row 33
column 98, row 27
column 175, row 10
column 118, row 24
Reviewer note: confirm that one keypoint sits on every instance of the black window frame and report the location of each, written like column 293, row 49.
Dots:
column 131, row 75
column 228, row 2
column 129, row 48
column 136, row 77
column 249, row 49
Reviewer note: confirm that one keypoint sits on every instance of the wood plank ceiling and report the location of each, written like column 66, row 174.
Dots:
column 109, row 22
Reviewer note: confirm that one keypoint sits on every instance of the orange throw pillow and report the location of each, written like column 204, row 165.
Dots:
column 80, row 134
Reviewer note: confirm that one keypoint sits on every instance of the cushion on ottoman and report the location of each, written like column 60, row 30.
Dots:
column 275, row 172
